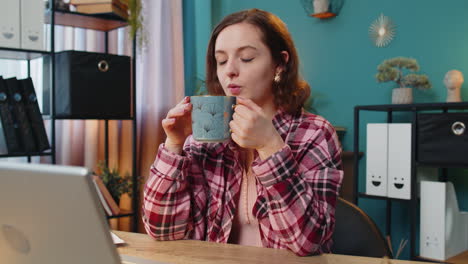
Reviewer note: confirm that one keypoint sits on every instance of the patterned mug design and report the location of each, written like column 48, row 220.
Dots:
column 211, row 116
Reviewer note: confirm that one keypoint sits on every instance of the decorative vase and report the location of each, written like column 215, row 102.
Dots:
column 402, row 95
column 453, row 81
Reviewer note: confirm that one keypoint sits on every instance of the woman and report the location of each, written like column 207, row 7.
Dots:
column 275, row 184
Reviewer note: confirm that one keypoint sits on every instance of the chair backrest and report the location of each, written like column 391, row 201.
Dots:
column 356, row 234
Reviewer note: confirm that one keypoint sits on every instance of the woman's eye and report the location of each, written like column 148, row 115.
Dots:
column 221, row 62
column 247, row 60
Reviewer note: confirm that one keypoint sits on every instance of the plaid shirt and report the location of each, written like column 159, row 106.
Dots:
column 194, row 195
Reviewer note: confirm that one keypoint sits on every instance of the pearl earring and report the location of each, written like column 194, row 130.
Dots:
column 277, row 78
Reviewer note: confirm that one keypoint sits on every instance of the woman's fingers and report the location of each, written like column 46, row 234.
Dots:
column 233, row 127
column 242, row 111
column 179, row 110
column 168, row 122
column 238, row 135
column 249, row 103
column 238, row 128
column 185, row 100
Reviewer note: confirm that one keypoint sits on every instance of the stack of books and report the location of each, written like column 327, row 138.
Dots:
column 118, row 7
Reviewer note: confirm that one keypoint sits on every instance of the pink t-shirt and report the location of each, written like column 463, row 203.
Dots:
column 245, row 227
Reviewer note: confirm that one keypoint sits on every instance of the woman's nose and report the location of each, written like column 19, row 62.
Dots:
column 232, row 69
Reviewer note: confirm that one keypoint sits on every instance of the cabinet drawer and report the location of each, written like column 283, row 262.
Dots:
column 443, row 139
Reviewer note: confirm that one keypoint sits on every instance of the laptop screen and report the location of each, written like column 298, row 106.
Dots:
column 51, row 214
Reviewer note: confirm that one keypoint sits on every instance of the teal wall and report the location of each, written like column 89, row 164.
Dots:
column 339, row 61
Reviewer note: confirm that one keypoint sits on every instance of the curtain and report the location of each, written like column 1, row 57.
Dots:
column 160, row 76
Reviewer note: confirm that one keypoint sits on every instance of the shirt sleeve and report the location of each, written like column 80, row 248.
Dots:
column 300, row 190
column 173, row 200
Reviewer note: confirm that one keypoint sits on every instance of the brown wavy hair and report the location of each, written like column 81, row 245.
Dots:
column 291, row 92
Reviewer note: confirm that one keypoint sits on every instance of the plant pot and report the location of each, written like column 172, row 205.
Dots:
column 402, row 95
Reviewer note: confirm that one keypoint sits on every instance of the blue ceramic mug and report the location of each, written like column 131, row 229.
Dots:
column 211, row 116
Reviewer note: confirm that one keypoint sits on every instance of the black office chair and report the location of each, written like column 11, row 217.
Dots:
column 356, row 234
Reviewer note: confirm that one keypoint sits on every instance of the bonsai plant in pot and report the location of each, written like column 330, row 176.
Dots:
column 402, row 71
column 116, row 184
column 121, row 189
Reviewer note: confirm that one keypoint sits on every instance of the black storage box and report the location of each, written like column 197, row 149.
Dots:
column 443, row 139
column 92, row 86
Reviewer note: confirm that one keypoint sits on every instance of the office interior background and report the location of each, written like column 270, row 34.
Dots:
column 338, row 60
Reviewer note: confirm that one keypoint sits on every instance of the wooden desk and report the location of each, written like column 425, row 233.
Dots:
column 191, row 251
column 460, row 258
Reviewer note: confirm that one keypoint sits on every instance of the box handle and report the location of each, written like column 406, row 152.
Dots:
column 458, row 128
column 103, row 66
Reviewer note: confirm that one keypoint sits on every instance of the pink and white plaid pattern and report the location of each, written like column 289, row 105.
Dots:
column 194, row 195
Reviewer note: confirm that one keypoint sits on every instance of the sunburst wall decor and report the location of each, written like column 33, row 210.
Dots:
column 382, row 31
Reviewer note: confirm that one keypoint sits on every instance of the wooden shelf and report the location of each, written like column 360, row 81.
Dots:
column 21, row 54
column 101, row 22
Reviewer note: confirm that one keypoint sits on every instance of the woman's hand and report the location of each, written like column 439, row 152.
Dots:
column 251, row 128
column 178, row 125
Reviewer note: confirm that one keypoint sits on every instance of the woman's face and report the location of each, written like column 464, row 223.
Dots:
column 244, row 63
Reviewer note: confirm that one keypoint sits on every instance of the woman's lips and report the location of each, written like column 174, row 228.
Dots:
column 235, row 90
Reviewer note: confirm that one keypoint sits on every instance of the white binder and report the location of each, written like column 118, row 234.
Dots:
column 376, row 159
column 443, row 228
column 399, row 161
column 32, row 24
